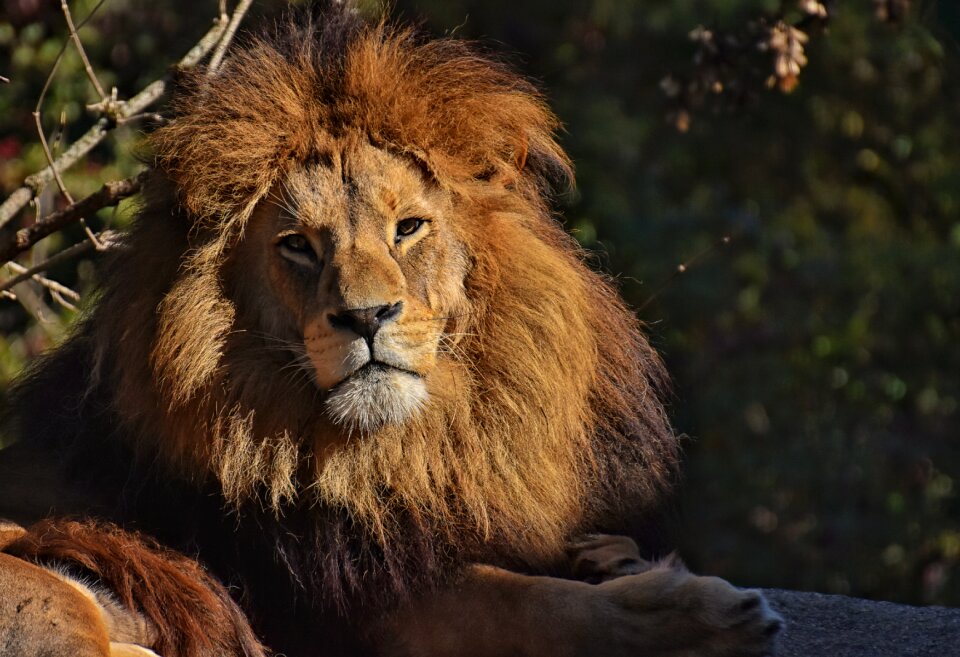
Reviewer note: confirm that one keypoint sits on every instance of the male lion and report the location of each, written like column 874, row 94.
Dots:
column 347, row 355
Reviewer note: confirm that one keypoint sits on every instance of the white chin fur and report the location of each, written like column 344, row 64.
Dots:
column 374, row 397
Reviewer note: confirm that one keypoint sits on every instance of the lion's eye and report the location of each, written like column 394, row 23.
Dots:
column 296, row 248
column 407, row 227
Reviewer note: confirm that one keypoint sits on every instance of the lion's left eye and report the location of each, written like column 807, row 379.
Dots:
column 408, row 227
column 296, row 248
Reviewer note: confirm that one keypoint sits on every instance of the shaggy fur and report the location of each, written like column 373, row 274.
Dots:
column 549, row 419
column 190, row 614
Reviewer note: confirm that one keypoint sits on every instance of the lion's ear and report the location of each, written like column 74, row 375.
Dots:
column 515, row 162
column 520, row 155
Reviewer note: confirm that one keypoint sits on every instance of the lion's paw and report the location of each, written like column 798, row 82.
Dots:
column 678, row 613
column 597, row 558
column 744, row 622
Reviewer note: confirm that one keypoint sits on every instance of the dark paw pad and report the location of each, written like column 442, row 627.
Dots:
column 750, row 603
column 773, row 627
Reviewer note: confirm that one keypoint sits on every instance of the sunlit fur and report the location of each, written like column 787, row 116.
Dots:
column 542, row 413
column 143, row 594
column 372, row 400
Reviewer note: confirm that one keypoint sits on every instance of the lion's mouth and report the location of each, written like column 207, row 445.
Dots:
column 374, row 395
column 383, row 366
column 373, row 367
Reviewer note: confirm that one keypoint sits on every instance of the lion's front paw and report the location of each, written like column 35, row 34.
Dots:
column 679, row 614
column 743, row 622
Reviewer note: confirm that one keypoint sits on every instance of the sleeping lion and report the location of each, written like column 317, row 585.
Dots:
column 348, row 357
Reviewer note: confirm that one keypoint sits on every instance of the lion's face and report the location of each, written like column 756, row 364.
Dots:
column 353, row 264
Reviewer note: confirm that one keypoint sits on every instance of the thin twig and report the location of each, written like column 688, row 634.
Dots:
column 42, row 97
column 110, row 194
column 34, row 305
column 683, row 268
column 99, row 131
column 57, row 60
column 4, row 79
column 221, row 50
column 46, row 151
column 56, row 296
column 37, row 213
column 56, row 175
column 58, row 135
column 149, row 116
column 106, row 238
column 44, row 281
column 83, row 53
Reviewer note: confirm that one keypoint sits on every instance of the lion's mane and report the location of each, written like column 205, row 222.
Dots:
column 554, row 421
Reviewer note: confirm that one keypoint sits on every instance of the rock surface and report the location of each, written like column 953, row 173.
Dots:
column 821, row 625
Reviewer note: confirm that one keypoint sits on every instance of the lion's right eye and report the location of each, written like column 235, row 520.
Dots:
column 297, row 249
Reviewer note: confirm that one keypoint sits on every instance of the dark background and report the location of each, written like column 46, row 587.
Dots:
column 816, row 358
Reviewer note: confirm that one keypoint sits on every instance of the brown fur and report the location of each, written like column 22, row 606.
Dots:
column 661, row 610
column 187, row 612
column 9, row 532
column 45, row 614
column 547, row 419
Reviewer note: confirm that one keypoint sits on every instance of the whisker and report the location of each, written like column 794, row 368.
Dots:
column 445, row 318
column 285, row 203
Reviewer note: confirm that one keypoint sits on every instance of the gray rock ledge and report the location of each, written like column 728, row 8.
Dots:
column 820, row 625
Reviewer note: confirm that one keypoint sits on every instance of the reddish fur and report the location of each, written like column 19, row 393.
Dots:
column 193, row 613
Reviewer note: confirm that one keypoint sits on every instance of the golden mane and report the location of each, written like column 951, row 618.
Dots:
column 554, row 420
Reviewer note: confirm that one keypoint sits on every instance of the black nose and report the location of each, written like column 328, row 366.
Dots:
column 365, row 322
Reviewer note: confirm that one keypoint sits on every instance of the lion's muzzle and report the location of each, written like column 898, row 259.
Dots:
column 365, row 322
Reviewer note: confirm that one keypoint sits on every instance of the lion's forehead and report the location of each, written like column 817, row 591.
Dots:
column 356, row 182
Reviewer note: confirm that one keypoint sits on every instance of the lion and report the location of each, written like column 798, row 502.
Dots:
column 85, row 589
column 347, row 355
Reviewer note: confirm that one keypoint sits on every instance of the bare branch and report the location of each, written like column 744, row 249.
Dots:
column 106, row 238
column 63, row 302
column 33, row 303
column 221, row 50
column 83, row 53
column 20, row 197
column 51, row 285
column 63, row 188
column 59, row 58
column 110, row 194
column 46, row 151
column 148, row 116
column 39, row 105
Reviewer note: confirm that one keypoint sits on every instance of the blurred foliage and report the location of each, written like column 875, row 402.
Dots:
column 816, row 358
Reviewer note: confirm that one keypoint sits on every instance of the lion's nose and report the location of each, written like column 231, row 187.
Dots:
column 365, row 322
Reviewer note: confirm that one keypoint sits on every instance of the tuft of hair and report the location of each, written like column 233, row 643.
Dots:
column 553, row 420
column 193, row 613
column 353, row 406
